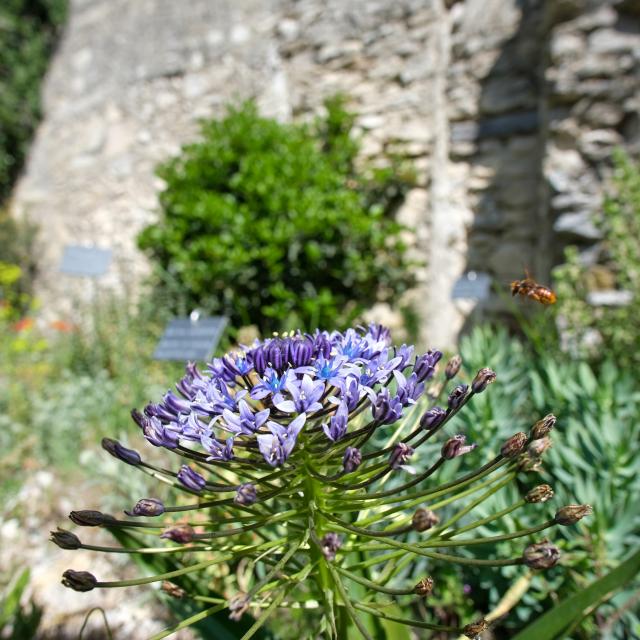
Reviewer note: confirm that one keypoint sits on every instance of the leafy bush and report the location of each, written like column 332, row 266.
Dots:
column 272, row 223
column 28, row 32
column 614, row 330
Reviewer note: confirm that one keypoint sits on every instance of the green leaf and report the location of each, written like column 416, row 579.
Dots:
column 552, row 624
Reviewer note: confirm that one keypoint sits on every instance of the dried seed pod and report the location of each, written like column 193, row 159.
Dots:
column 453, row 366
column 424, row 588
column 180, row 533
column 541, row 555
column 572, row 513
column 514, row 445
column 474, row 629
column 79, row 580
column 173, row 590
column 65, row 539
column 541, row 428
column 483, row 379
column 541, row 493
column 424, row 519
column 90, row 518
column 537, row 447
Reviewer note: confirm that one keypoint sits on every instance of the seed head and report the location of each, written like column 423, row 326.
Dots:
column 514, row 445
column 541, row 493
column 89, row 518
column 541, row 555
column 474, row 629
column 424, row 588
column 65, row 539
column 572, row 513
column 483, row 379
column 541, row 428
column 79, row 580
column 424, row 519
column 452, row 368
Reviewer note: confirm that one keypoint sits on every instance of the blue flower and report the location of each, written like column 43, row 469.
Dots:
column 246, row 422
column 191, row 479
column 218, row 451
column 270, row 384
column 305, row 396
column 277, row 446
column 337, row 427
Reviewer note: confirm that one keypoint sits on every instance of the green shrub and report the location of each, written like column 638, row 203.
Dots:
column 28, row 32
column 271, row 224
column 611, row 330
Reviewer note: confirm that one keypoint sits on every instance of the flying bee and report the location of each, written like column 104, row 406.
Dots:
column 529, row 288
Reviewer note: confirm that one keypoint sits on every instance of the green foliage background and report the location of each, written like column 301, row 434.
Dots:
column 29, row 30
column 274, row 224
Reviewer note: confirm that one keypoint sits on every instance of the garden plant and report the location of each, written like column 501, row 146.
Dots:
column 309, row 465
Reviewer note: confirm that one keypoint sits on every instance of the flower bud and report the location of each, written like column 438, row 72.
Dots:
column 120, row 452
column 452, row 368
column 400, row 454
column 191, row 479
column 238, row 606
column 173, row 590
column 432, row 418
column 457, row 396
column 246, row 494
column 180, row 533
column 65, row 539
column 79, row 580
column 572, row 513
column 541, row 555
column 330, row 544
column 424, row 588
column 474, row 629
column 514, row 445
column 483, row 379
column 89, row 518
column 541, row 493
column 147, row 507
column 537, row 447
column 541, row 428
column 351, row 459
column 455, row 447
column 424, row 519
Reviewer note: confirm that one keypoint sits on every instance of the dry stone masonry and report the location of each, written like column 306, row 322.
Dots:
column 508, row 108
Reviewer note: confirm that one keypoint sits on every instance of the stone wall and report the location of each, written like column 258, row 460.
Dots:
column 508, row 108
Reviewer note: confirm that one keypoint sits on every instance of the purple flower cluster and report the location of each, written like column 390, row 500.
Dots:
column 266, row 395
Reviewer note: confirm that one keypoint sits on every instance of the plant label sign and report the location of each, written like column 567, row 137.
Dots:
column 193, row 338
column 89, row 262
column 472, row 285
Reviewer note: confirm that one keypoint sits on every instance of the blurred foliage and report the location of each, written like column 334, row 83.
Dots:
column 615, row 330
column 17, row 265
column 29, row 30
column 17, row 620
column 275, row 225
column 590, row 462
column 66, row 384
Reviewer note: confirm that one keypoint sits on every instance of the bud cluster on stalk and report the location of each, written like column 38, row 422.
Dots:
column 283, row 452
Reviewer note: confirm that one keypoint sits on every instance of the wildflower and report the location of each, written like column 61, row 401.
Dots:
column 246, row 494
column 433, row 418
column 351, row 459
column 191, row 479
